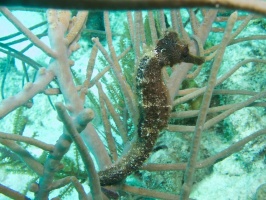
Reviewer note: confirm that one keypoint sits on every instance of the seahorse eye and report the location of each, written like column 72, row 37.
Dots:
column 185, row 51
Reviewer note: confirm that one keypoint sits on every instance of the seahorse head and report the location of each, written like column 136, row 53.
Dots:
column 171, row 50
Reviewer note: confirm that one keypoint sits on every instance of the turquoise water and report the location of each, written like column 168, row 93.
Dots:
column 236, row 177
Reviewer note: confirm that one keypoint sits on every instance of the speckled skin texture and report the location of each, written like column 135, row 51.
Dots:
column 154, row 105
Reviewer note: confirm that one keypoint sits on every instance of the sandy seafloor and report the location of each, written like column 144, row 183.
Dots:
column 235, row 178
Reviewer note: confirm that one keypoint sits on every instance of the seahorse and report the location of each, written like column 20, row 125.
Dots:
column 154, row 105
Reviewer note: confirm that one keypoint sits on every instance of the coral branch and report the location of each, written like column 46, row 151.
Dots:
column 203, row 111
column 35, row 40
column 87, row 160
column 12, row 193
column 258, row 6
column 28, row 140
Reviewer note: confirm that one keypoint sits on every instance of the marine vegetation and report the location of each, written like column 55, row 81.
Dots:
column 149, row 104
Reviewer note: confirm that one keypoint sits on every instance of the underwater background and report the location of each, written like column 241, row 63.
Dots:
column 237, row 176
